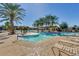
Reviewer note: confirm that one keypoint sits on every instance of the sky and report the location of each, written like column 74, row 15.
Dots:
column 66, row 12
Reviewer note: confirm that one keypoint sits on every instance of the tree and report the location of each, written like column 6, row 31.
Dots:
column 7, row 25
column 64, row 26
column 41, row 21
column 36, row 23
column 75, row 28
column 11, row 12
column 51, row 20
column 47, row 20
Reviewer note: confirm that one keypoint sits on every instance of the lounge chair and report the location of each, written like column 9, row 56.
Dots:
column 67, row 48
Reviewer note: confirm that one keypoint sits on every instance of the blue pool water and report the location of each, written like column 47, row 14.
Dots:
column 44, row 36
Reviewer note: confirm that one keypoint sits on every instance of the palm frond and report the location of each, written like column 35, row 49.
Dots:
column 4, row 20
column 12, row 11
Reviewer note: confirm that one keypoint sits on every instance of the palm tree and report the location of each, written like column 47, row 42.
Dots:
column 47, row 20
column 41, row 21
column 36, row 23
column 50, row 20
column 11, row 12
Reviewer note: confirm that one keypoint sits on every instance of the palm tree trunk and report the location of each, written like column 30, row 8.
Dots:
column 11, row 27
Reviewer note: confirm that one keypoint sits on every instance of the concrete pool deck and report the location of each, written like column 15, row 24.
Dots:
column 10, row 46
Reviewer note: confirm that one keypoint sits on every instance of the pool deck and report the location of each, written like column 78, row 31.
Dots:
column 10, row 46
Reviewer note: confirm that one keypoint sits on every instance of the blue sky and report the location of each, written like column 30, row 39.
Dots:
column 66, row 12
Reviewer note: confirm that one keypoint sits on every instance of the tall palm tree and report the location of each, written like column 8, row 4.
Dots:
column 50, row 20
column 11, row 12
column 41, row 22
column 36, row 23
column 47, row 20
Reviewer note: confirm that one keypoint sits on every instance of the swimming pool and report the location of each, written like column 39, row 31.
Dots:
column 44, row 36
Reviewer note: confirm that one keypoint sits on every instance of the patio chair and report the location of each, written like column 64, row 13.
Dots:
column 67, row 48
